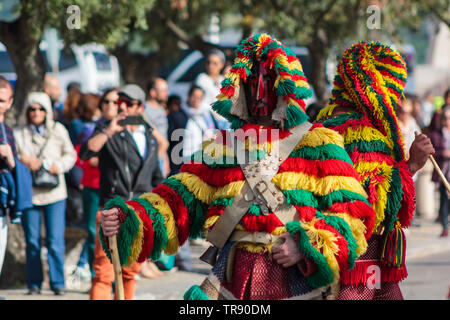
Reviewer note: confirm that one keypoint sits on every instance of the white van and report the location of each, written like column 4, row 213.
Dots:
column 90, row 65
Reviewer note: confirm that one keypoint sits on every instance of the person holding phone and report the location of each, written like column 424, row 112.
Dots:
column 127, row 153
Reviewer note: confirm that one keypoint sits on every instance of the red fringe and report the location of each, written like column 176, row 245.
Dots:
column 266, row 223
column 179, row 210
column 342, row 255
column 358, row 156
column 319, row 168
column 406, row 211
column 358, row 209
column 217, row 177
column 216, row 210
column 359, row 273
column 306, row 213
column 147, row 243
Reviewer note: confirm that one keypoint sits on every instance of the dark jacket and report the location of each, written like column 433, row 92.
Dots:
column 176, row 120
column 123, row 172
column 438, row 140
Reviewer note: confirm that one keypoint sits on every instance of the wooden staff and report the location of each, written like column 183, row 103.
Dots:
column 438, row 170
column 117, row 267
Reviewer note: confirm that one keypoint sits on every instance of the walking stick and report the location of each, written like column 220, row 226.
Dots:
column 441, row 175
column 117, row 267
column 438, row 170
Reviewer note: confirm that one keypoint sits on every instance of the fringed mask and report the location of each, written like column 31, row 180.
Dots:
column 260, row 91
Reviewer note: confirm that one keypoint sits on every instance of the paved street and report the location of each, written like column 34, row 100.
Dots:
column 429, row 278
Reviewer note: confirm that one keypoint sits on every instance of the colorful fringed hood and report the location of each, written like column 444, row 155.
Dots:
column 370, row 81
column 317, row 178
column 291, row 85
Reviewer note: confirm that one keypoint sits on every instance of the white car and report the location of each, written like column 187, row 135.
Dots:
column 90, row 65
column 181, row 77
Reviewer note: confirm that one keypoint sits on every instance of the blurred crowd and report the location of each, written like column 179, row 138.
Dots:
column 54, row 133
column 56, row 138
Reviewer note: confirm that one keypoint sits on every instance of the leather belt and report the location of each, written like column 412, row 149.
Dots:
column 256, row 237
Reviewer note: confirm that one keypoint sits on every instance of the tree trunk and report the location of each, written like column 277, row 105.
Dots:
column 28, row 63
column 318, row 54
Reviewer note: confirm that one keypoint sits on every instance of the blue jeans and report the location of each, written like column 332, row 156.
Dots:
column 55, row 223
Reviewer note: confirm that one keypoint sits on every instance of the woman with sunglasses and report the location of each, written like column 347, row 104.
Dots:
column 107, row 108
column 43, row 142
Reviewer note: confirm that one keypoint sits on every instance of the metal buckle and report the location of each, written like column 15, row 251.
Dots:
column 261, row 182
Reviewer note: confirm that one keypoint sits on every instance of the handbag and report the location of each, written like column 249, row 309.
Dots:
column 42, row 178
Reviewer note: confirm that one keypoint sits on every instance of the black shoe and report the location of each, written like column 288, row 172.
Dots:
column 59, row 291
column 33, row 291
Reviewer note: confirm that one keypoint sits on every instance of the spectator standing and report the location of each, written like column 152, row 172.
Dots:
column 408, row 127
column 128, row 167
column 155, row 114
column 407, row 123
column 210, row 82
column 70, row 111
column 53, row 89
column 426, row 110
column 177, row 119
column 45, row 143
column 12, row 179
column 81, row 129
column 440, row 137
column 200, row 124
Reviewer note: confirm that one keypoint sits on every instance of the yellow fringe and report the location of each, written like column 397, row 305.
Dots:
column 366, row 134
column 229, row 190
column 136, row 245
column 210, row 222
column 164, row 209
column 324, row 242
column 375, row 169
column 320, row 136
column 197, row 186
column 327, row 111
column 319, row 186
column 356, row 226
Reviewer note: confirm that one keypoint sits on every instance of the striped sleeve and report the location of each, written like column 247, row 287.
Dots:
column 162, row 220
column 335, row 218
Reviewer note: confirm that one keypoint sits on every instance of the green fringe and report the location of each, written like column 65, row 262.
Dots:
column 254, row 210
column 394, row 200
column 344, row 229
column 128, row 230
column 324, row 275
column 368, row 146
column 195, row 293
column 301, row 198
column 322, row 152
column 341, row 195
column 196, row 208
column 295, row 116
column 226, row 202
column 160, row 237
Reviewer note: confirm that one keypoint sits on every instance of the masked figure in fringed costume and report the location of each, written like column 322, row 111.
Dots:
column 368, row 85
column 277, row 195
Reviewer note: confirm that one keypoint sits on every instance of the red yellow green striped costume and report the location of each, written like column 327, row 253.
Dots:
column 368, row 85
column 318, row 178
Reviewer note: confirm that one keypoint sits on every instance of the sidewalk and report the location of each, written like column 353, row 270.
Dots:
column 421, row 241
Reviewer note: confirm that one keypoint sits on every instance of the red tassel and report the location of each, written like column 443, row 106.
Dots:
column 394, row 248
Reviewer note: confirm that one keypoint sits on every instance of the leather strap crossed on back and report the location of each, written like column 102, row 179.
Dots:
column 259, row 189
